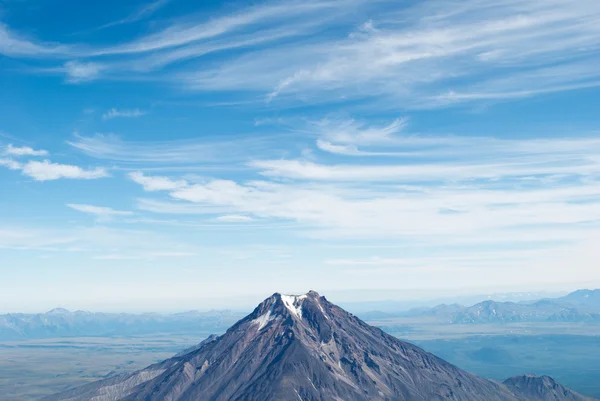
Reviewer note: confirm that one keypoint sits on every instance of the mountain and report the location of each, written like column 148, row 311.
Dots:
column 60, row 322
column 583, row 298
column 301, row 348
column 395, row 308
column 579, row 306
column 541, row 388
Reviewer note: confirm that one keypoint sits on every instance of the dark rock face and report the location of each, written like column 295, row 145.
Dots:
column 301, row 348
column 542, row 388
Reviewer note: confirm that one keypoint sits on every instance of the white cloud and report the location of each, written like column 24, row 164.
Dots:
column 155, row 183
column 478, row 213
column 99, row 211
column 177, row 208
column 10, row 164
column 114, row 113
column 483, row 190
column 24, row 151
column 15, row 45
column 235, row 218
column 350, row 150
column 47, row 171
column 144, row 255
column 344, row 136
column 78, row 71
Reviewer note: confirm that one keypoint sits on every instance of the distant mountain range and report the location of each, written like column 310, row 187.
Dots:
column 306, row 348
column 578, row 306
column 394, row 306
column 63, row 323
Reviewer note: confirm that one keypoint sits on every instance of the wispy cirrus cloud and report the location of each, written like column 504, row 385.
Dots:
column 15, row 45
column 390, row 153
column 123, row 113
column 418, row 54
column 143, row 12
column 143, row 255
column 206, row 150
column 99, row 211
column 431, row 54
column 194, row 31
column 156, row 183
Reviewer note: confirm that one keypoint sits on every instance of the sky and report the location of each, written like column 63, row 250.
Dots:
column 177, row 154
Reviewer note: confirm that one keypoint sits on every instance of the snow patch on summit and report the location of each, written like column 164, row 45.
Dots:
column 294, row 303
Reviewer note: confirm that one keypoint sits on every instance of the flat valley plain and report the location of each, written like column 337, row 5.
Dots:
column 30, row 369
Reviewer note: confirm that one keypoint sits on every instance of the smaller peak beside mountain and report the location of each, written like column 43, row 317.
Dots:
column 543, row 388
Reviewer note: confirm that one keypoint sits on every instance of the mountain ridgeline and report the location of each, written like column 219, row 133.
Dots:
column 60, row 322
column 306, row 348
column 580, row 306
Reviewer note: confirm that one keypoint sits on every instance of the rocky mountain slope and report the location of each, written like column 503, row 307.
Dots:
column 303, row 348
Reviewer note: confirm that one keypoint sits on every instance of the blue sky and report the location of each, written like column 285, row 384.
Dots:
column 176, row 154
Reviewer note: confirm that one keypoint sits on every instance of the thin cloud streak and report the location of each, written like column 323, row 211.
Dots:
column 101, row 211
column 140, row 14
column 207, row 150
column 123, row 113
column 183, row 33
